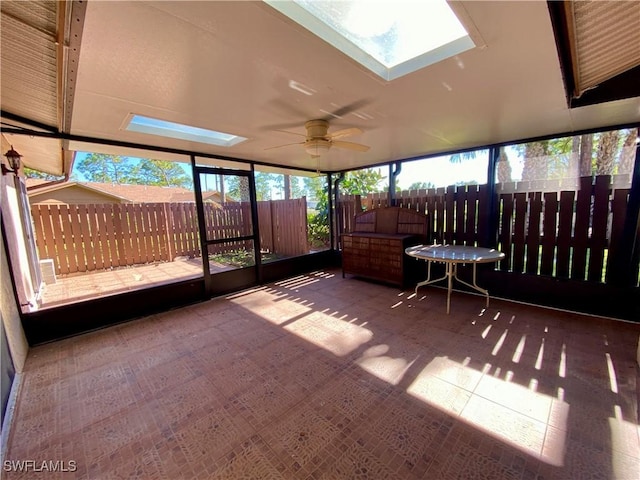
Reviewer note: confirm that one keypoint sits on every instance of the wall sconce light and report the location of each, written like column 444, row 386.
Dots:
column 13, row 158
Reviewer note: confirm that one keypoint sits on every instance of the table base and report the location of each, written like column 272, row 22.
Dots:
column 451, row 272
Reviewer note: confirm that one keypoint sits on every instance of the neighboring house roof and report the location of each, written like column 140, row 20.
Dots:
column 39, row 189
column 125, row 192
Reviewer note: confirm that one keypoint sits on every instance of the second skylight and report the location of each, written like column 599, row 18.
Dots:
column 163, row 128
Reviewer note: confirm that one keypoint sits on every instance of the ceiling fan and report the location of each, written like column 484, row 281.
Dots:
column 318, row 140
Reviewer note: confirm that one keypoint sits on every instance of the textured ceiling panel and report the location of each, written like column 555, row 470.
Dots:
column 29, row 71
column 607, row 40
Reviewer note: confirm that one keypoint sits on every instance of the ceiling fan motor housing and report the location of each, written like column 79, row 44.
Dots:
column 316, row 128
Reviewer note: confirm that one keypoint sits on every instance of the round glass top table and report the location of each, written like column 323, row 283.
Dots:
column 452, row 256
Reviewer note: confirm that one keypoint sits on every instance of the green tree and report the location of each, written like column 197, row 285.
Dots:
column 359, row 182
column 585, row 155
column 466, row 182
column 31, row 173
column 162, row 173
column 362, row 182
column 232, row 186
column 504, row 167
column 628, row 154
column 421, row 186
column 315, row 189
column 608, row 148
column 99, row 167
column 535, row 160
column 289, row 185
column 237, row 187
column 602, row 153
column 243, row 189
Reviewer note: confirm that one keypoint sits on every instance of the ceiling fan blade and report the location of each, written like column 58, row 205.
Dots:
column 291, row 133
column 285, row 145
column 289, row 109
column 280, row 126
column 346, row 132
column 350, row 146
column 342, row 111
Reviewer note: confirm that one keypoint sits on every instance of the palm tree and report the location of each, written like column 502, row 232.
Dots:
column 504, row 167
column 608, row 147
column 586, row 152
column 607, row 150
column 244, row 188
column 628, row 154
column 535, row 160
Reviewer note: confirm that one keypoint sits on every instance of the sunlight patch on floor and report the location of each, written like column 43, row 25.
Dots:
column 389, row 369
column 507, row 411
column 624, row 447
column 340, row 337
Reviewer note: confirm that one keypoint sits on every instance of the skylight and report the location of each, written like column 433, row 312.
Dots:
column 153, row 126
column 390, row 37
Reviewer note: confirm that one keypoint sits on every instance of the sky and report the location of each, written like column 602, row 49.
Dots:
column 441, row 172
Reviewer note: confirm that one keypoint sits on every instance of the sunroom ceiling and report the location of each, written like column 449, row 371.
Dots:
column 244, row 68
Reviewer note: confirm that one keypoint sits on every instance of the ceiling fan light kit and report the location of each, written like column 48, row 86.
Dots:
column 317, row 147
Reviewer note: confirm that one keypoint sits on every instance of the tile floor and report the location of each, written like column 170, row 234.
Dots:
column 320, row 377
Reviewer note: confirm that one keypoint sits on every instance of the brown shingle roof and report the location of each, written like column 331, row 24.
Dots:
column 143, row 193
column 128, row 192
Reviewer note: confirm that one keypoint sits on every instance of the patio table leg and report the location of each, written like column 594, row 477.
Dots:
column 475, row 285
column 428, row 280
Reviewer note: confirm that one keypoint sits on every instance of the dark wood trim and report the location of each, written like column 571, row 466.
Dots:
column 592, row 298
column 624, row 85
column 560, row 25
column 197, row 188
column 331, row 214
column 255, row 227
column 288, row 267
column 232, row 281
column 63, row 321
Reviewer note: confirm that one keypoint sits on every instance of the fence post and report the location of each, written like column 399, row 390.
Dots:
column 625, row 269
column 491, row 201
column 168, row 238
column 273, row 229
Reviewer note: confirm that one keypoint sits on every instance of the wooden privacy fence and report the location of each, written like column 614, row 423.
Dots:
column 224, row 221
column 82, row 238
column 571, row 234
column 283, row 226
